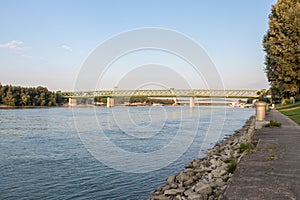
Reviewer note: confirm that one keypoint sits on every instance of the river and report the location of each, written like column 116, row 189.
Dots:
column 46, row 154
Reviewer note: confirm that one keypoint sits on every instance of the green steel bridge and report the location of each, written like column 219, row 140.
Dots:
column 171, row 93
column 165, row 93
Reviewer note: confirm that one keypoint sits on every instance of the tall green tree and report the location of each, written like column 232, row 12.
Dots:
column 282, row 46
column 9, row 98
column 59, row 97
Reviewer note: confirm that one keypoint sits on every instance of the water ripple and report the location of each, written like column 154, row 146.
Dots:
column 42, row 156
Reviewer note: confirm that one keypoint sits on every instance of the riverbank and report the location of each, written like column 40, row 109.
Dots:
column 208, row 177
column 273, row 171
column 24, row 107
column 2, row 106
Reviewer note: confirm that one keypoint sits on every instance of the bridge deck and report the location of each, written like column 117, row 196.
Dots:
column 164, row 93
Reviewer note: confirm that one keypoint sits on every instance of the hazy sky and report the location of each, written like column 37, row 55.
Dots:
column 46, row 42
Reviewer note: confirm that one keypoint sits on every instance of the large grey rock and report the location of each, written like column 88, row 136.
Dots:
column 160, row 197
column 203, row 189
column 170, row 180
column 220, row 182
column 173, row 192
column 191, row 195
column 214, row 162
column 174, row 186
column 158, row 190
column 182, row 176
column 188, row 182
column 178, row 197
column 219, row 172
column 195, row 197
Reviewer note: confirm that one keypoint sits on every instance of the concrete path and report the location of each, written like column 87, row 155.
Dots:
column 273, row 172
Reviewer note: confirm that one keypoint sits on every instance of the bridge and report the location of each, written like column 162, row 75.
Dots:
column 172, row 93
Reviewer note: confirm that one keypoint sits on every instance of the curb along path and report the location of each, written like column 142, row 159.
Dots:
column 273, row 171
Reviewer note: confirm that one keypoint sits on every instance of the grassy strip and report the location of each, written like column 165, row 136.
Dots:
column 292, row 111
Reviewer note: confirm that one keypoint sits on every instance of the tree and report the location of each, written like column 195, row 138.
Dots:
column 52, row 99
column 9, row 98
column 59, row 97
column 282, row 46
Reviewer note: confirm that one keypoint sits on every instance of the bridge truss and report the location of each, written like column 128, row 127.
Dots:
column 165, row 93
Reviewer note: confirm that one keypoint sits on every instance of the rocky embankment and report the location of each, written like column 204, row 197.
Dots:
column 207, row 178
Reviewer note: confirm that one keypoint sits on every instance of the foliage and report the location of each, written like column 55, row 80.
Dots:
column 162, row 101
column 273, row 123
column 135, row 99
column 282, row 46
column 100, row 99
column 245, row 147
column 250, row 100
column 286, row 102
column 231, row 164
column 22, row 96
column 288, row 106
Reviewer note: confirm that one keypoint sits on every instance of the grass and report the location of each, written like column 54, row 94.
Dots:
column 231, row 164
column 271, row 156
column 273, row 123
column 245, row 147
column 292, row 111
column 271, row 152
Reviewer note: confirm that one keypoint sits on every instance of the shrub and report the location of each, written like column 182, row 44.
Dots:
column 232, row 163
column 245, row 146
column 273, row 123
column 286, row 102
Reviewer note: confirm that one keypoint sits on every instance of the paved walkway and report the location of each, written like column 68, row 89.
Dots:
column 273, row 172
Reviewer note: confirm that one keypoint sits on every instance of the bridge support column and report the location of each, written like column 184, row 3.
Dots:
column 192, row 102
column 110, row 102
column 72, row 102
column 175, row 101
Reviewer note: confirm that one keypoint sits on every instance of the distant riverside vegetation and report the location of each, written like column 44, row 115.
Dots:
column 28, row 96
column 18, row 96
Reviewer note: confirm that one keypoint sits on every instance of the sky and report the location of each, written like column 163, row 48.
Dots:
column 47, row 42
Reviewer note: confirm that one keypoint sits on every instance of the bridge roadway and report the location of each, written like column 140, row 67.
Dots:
column 172, row 93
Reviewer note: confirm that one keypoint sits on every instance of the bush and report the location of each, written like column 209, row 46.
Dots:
column 245, row 147
column 286, row 102
column 273, row 123
column 232, row 163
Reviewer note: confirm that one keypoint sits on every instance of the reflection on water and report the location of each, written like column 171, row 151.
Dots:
column 42, row 156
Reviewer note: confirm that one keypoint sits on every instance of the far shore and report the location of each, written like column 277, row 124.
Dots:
column 3, row 106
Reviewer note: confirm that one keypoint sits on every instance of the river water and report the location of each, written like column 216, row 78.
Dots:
column 49, row 154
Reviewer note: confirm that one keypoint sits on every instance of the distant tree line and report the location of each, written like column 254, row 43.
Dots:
column 28, row 96
column 135, row 99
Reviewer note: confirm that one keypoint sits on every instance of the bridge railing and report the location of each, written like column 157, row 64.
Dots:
column 164, row 93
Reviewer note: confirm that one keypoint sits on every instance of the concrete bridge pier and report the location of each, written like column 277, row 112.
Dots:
column 110, row 102
column 72, row 102
column 175, row 101
column 192, row 102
